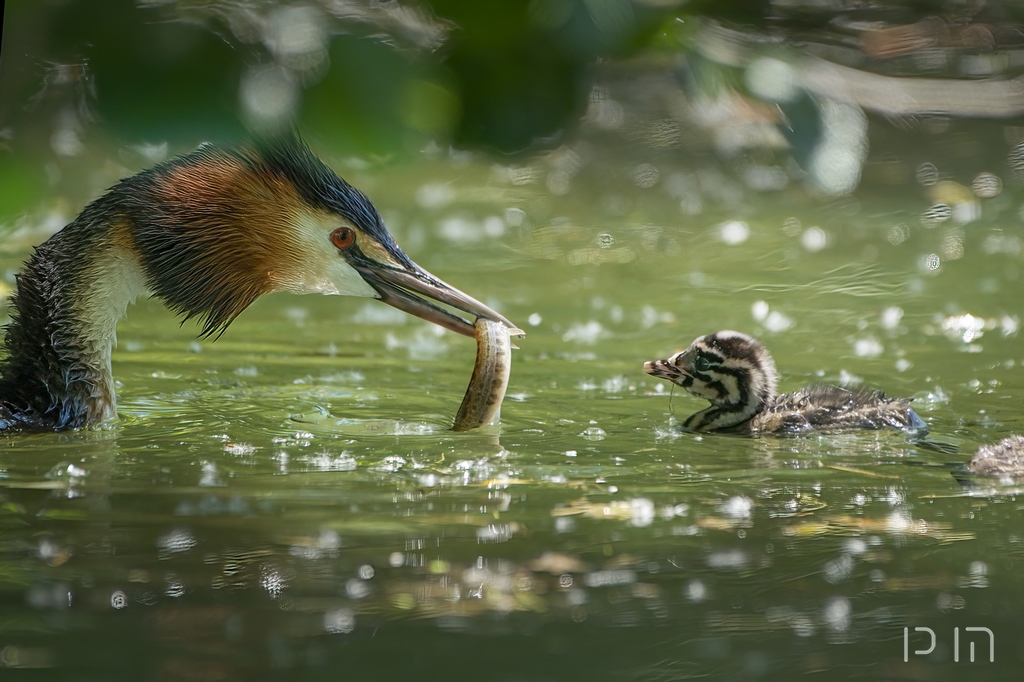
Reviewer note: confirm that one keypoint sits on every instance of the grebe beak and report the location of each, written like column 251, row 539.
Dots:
column 399, row 286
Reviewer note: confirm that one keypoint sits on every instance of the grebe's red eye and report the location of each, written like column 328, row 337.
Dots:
column 343, row 237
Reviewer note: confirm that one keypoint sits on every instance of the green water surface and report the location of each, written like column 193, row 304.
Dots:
column 288, row 502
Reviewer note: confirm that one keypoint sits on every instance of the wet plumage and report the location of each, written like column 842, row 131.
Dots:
column 1005, row 459
column 737, row 375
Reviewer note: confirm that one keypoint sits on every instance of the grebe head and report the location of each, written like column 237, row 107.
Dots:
column 731, row 370
column 218, row 228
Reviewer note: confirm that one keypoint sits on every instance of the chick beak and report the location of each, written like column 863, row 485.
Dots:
column 653, row 367
column 399, row 286
column 671, row 369
column 658, row 368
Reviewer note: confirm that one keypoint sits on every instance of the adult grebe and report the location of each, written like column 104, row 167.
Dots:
column 738, row 376
column 207, row 233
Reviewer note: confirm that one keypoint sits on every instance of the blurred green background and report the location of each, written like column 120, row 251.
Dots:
column 742, row 85
column 372, row 80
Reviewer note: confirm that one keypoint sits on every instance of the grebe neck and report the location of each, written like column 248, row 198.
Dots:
column 69, row 298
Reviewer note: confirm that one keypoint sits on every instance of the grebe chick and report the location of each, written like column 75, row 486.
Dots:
column 207, row 233
column 737, row 375
column 1005, row 459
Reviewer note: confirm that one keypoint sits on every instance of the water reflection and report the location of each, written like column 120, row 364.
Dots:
column 469, row 552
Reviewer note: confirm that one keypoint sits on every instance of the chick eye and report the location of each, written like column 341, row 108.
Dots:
column 701, row 364
column 343, row 237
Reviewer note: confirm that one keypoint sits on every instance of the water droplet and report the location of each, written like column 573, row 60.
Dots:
column 937, row 213
column 987, row 185
column 927, row 174
column 178, row 540
column 814, row 239
column 837, row 614
column 839, row 569
column 777, row 322
column 772, row 79
column 269, row 95
column 357, row 589
column 340, row 621
column 891, row 317
column 646, row 176
column 868, row 348
column 737, row 507
column 1016, row 159
column 733, row 232
column 952, row 247
column 898, row 234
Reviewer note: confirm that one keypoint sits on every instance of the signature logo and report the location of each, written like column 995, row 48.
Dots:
column 956, row 643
